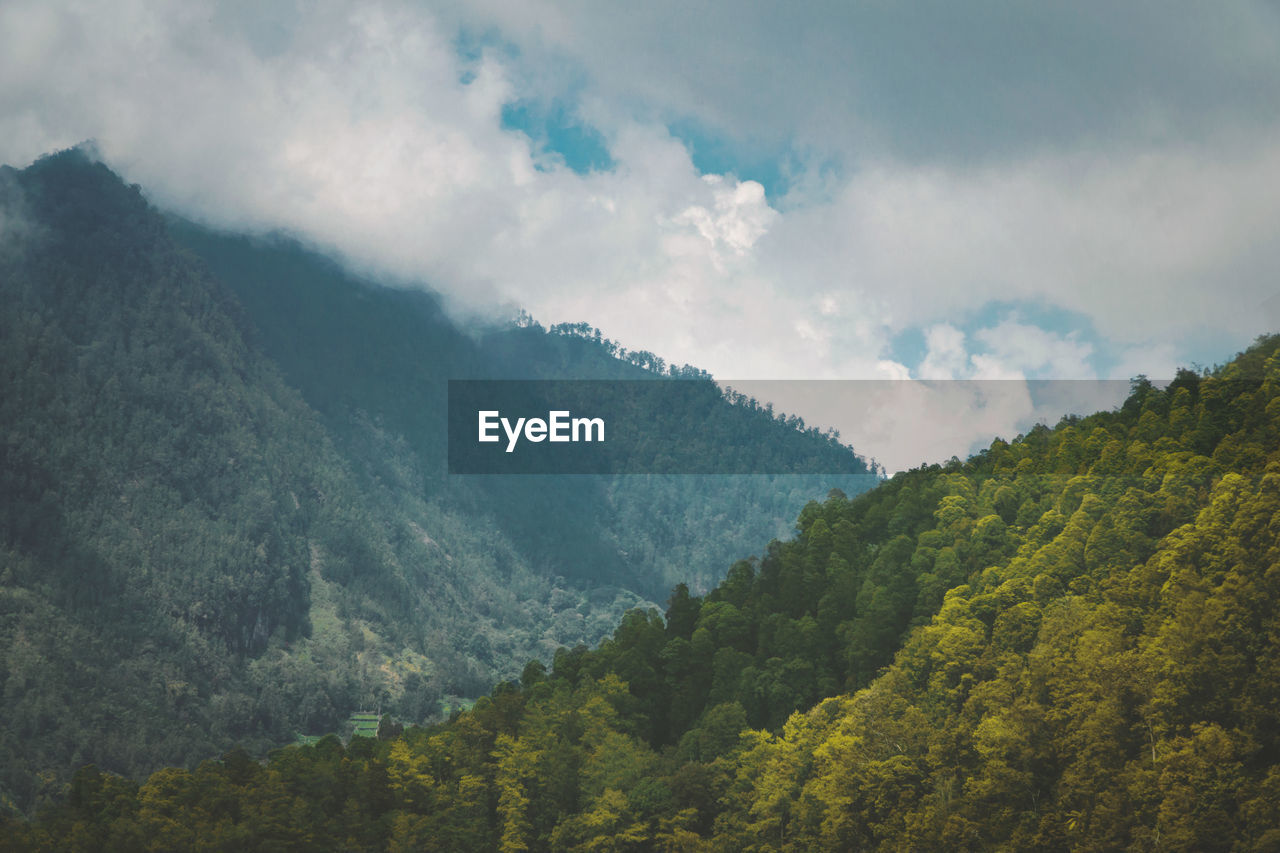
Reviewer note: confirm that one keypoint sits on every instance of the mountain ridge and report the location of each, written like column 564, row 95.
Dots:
column 197, row 549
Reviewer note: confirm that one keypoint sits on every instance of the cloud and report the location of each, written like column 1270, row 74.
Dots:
column 927, row 81
column 1120, row 166
column 741, row 215
column 946, row 357
column 903, row 424
column 1015, row 349
column 1149, row 247
column 368, row 133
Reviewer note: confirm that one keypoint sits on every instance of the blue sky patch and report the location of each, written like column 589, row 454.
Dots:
column 715, row 154
column 908, row 347
column 555, row 129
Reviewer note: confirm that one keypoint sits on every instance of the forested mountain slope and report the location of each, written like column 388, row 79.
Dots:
column 374, row 362
column 1068, row 642
column 203, row 544
column 187, row 561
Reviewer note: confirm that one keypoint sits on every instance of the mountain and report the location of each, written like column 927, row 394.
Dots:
column 224, row 516
column 1068, row 642
column 375, row 362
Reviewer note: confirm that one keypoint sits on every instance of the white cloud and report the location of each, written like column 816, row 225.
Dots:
column 353, row 126
column 740, row 217
column 905, row 423
column 946, row 356
column 1149, row 247
column 1010, row 349
column 1014, row 348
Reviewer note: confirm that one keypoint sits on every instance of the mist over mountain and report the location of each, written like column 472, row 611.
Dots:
column 374, row 360
column 224, row 516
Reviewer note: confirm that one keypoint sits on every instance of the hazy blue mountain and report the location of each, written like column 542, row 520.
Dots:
column 373, row 358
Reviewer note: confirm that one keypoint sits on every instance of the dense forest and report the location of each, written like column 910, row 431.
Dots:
column 224, row 517
column 1068, row 642
column 375, row 362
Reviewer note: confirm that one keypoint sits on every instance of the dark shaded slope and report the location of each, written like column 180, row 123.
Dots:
column 159, row 483
column 186, row 562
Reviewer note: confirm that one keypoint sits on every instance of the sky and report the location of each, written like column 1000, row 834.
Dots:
column 802, row 190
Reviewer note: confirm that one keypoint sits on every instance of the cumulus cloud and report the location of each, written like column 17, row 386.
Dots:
column 903, row 424
column 1014, row 349
column 741, row 216
column 971, row 388
column 1149, row 246
column 945, row 357
column 1045, row 158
